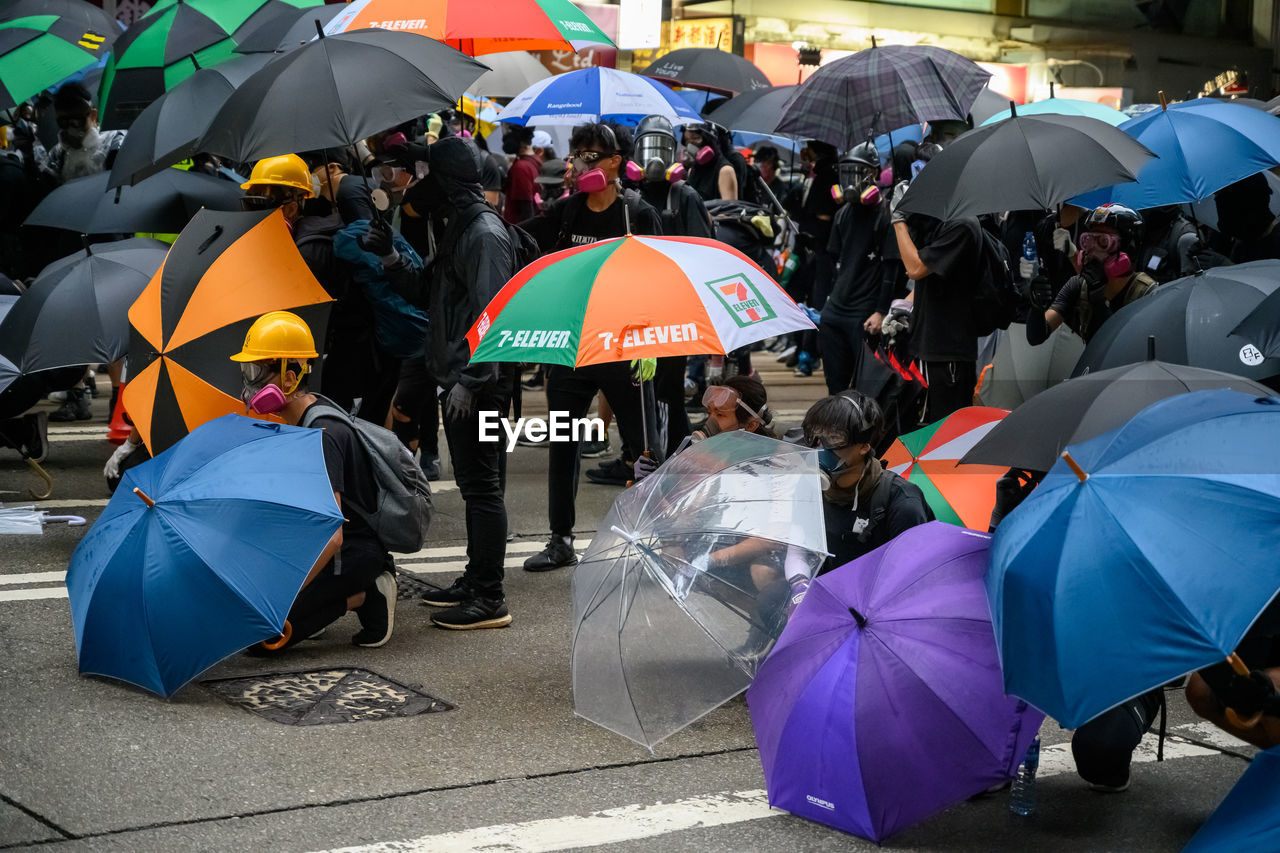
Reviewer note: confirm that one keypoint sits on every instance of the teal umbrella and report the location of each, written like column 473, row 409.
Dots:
column 1065, row 107
column 170, row 43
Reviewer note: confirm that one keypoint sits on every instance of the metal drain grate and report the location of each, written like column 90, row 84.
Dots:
column 410, row 587
column 321, row 697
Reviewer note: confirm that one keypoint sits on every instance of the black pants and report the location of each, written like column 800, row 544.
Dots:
column 477, row 468
column 668, row 387
column 1104, row 746
column 571, row 391
column 951, row 385
column 324, row 601
column 416, row 398
column 841, row 340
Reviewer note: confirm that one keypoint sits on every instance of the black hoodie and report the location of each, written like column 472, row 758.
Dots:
column 473, row 260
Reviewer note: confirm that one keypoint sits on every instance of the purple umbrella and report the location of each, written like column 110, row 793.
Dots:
column 883, row 702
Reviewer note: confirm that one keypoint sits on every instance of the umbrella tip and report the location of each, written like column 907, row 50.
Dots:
column 858, row 617
column 319, row 28
column 1074, row 466
column 145, row 499
column 1151, row 347
column 1051, row 94
column 873, row 42
column 1164, row 104
column 1013, row 109
column 88, row 247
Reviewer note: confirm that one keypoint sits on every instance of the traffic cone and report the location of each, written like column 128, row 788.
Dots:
column 120, row 428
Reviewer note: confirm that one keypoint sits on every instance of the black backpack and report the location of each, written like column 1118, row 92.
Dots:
column 524, row 249
column 995, row 299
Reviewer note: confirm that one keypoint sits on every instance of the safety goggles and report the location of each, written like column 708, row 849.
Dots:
column 256, row 372
column 267, row 201
column 588, row 158
column 721, row 397
column 1099, row 241
column 827, row 440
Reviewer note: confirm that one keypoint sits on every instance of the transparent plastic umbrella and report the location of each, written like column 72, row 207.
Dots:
column 29, row 520
column 689, row 581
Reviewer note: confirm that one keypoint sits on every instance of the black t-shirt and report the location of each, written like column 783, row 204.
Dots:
column 344, row 459
column 354, row 200
column 942, row 325
column 570, row 222
column 1067, row 304
column 863, row 285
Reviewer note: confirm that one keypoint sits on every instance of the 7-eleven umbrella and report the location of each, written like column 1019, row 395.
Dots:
column 963, row 495
column 475, row 27
column 222, row 273
column 633, row 297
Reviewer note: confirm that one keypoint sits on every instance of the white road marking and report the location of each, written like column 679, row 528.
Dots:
column 632, row 822
column 34, row 577
column 32, row 594
column 611, row 826
column 71, row 503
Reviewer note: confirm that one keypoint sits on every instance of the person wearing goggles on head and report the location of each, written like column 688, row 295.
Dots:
column 864, row 503
column 1106, row 278
column 864, row 283
column 354, row 572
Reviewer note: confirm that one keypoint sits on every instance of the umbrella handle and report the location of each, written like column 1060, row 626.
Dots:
column 279, row 642
column 71, row 520
column 44, row 476
column 1238, row 666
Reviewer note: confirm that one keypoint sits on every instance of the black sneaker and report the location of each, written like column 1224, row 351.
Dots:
column 558, row 554
column 595, row 449
column 616, row 473
column 378, row 613
column 454, row 594
column 476, row 613
column 76, row 407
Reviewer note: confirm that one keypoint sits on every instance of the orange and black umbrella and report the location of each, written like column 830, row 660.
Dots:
column 223, row 272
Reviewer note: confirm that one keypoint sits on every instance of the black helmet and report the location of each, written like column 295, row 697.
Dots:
column 863, row 155
column 1123, row 220
column 655, row 142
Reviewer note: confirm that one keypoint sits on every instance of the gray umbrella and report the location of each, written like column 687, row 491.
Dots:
column 753, row 112
column 287, row 29
column 1018, row 371
column 882, row 89
column 336, row 90
column 77, row 310
column 512, row 72
column 166, row 131
column 1024, row 163
column 164, row 203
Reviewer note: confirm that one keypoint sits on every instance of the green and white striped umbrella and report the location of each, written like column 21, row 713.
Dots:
column 172, row 41
column 37, row 51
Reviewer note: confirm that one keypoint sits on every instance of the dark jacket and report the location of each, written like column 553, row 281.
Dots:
column 682, row 210
column 474, row 259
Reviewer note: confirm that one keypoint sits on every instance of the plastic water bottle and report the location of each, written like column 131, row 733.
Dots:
column 799, row 586
column 1029, row 253
column 1022, row 795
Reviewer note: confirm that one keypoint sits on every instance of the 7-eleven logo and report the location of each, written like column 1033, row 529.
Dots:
column 744, row 303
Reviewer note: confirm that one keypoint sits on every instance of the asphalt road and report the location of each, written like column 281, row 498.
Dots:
column 90, row 764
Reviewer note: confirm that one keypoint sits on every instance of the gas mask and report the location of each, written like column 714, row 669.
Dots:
column 856, row 181
column 591, row 178
column 262, row 395
column 1104, row 246
column 699, row 155
column 657, row 153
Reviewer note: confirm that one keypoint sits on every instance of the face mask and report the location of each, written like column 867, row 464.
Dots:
column 656, row 171
column 593, row 181
column 315, row 187
column 634, row 172
column 268, row 401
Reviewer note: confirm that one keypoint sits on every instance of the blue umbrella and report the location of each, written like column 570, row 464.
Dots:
column 1152, row 566
column 1247, row 818
column 201, row 552
column 1201, row 146
column 1065, row 107
column 596, row 94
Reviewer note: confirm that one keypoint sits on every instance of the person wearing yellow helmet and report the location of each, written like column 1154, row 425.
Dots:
column 354, row 571
column 284, row 182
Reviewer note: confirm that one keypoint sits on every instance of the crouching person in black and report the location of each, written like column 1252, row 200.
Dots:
column 354, row 572
column 866, row 505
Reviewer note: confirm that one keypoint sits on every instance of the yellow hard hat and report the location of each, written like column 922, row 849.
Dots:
column 287, row 170
column 278, row 334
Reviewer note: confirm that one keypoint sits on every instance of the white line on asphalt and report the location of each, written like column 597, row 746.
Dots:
column 71, row 503
column 33, row 594
column 34, row 577
column 632, row 822
column 611, row 826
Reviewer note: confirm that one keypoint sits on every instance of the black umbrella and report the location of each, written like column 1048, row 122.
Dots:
column 163, row 203
column 1261, row 326
column 1024, row 163
column 77, row 310
column 288, row 29
column 708, row 68
column 166, row 131
column 1193, row 321
column 1033, row 435
column 336, row 90
column 753, row 112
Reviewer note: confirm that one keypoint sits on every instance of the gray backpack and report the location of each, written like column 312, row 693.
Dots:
column 403, row 514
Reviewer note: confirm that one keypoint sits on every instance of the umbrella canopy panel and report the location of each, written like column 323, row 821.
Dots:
column 708, row 68
column 161, row 204
column 42, row 47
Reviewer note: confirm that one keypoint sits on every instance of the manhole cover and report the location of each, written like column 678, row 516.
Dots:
column 410, row 587
column 320, row 697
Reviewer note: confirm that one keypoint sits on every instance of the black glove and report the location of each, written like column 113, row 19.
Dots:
column 377, row 239
column 407, row 156
column 1040, row 291
column 1094, row 277
column 1250, row 694
column 1011, row 489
